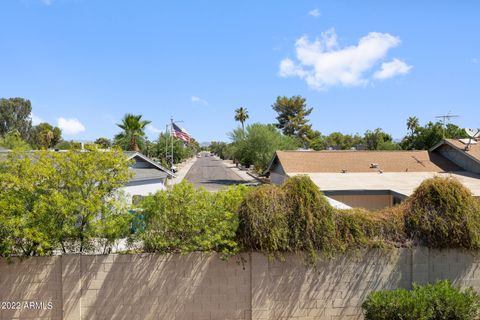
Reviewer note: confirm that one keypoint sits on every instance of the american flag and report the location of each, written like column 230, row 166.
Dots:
column 180, row 133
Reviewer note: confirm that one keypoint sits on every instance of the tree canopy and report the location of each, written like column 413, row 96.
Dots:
column 15, row 114
column 292, row 116
column 425, row 137
column 133, row 136
column 241, row 115
column 61, row 201
column 44, row 136
column 258, row 144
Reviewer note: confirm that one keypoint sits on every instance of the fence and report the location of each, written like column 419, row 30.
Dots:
column 202, row 286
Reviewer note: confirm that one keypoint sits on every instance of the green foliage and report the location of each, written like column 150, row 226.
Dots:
column 103, row 143
column 241, row 115
column 185, row 219
column 379, row 140
column 429, row 302
column 162, row 149
column 360, row 228
column 133, row 136
column 292, row 116
column 44, row 136
column 258, row 144
column 295, row 217
column 335, row 140
column 65, row 145
column 263, row 222
column 309, row 216
column 15, row 115
column 221, row 149
column 424, row 138
column 14, row 141
column 61, row 201
column 442, row 213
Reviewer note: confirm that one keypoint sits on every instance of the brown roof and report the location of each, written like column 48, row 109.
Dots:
column 474, row 149
column 361, row 161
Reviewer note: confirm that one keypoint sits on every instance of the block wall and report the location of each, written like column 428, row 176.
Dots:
column 202, row 286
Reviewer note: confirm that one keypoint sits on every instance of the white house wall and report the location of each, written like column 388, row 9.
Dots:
column 143, row 189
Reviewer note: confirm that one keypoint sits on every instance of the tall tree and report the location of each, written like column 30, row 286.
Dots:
column 15, row 114
column 44, row 136
column 13, row 140
column 292, row 116
column 425, row 137
column 259, row 143
column 133, row 135
column 412, row 124
column 241, row 115
column 104, row 143
column 379, row 140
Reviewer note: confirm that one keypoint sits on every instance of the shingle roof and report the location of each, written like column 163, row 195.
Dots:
column 473, row 150
column 361, row 161
column 140, row 174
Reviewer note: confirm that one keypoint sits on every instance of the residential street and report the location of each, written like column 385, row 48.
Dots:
column 211, row 173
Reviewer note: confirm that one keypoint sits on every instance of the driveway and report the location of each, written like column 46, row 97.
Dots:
column 212, row 174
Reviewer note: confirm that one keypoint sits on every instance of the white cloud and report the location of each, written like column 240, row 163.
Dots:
column 314, row 13
column 322, row 63
column 196, row 99
column 391, row 69
column 36, row 120
column 475, row 61
column 47, row 2
column 153, row 129
column 70, row 126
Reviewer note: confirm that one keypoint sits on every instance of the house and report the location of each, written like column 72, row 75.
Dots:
column 376, row 179
column 148, row 176
column 463, row 152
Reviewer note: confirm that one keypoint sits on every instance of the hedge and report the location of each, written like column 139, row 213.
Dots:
column 429, row 302
column 296, row 217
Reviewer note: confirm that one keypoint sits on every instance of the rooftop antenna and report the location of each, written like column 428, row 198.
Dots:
column 446, row 118
column 473, row 134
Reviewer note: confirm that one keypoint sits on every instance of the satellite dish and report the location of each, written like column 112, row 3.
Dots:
column 473, row 133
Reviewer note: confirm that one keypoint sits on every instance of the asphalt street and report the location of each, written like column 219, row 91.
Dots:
column 212, row 174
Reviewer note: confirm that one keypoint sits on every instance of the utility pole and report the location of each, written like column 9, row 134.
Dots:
column 171, row 129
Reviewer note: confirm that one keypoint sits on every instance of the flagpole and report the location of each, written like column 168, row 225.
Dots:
column 166, row 142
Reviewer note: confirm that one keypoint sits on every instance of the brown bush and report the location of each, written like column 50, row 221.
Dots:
column 262, row 220
column 442, row 213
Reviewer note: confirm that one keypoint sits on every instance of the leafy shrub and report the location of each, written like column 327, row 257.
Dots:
column 362, row 228
column 295, row 217
column 442, row 213
column 430, row 302
column 186, row 219
column 309, row 217
column 263, row 222
column 62, row 201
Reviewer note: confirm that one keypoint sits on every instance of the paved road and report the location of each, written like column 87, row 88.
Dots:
column 212, row 174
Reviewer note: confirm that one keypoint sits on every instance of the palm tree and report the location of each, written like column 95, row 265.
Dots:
column 412, row 124
column 133, row 131
column 241, row 115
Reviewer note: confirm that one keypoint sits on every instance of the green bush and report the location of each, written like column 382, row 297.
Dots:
column 186, row 219
column 295, row 217
column 263, row 222
column 309, row 217
column 430, row 302
column 357, row 228
column 442, row 213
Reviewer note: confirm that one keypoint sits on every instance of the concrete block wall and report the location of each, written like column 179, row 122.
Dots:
column 202, row 286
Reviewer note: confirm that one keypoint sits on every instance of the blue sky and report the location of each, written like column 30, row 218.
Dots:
column 360, row 64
